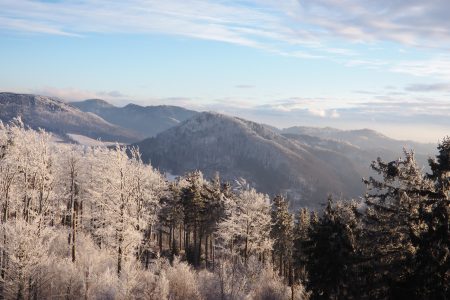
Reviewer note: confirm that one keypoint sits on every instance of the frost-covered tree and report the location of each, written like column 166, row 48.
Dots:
column 72, row 178
column 25, row 244
column 128, row 201
column 246, row 227
column 27, row 172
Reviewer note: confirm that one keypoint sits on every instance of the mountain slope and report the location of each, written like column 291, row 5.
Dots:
column 60, row 118
column 238, row 148
column 146, row 121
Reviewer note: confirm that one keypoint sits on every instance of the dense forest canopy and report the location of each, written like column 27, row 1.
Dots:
column 97, row 223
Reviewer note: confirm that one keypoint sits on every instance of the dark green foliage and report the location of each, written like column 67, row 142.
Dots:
column 194, row 213
column 408, row 220
column 390, row 220
column 302, row 229
column 331, row 253
column 282, row 235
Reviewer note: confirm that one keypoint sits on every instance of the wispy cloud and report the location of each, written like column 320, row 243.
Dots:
column 435, row 87
column 306, row 28
column 75, row 94
column 244, row 86
column 436, row 67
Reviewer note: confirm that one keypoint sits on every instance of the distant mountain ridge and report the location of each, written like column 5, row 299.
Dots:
column 366, row 139
column 56, row 116
column 145, row 121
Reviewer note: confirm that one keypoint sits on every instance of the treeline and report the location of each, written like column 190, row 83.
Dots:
column 97, row 223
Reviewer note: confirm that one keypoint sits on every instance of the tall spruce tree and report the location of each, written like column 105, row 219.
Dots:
column 194, row 209
column 331, row 253
column 432, row 273
column 392, row 223
column 282, row 236
column 301, row 237
column 408, row 218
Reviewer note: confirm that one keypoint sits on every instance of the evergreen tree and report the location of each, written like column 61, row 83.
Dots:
column 282, row 236
column 331, row 254
column 392, row 222
column 301, row 236
column 194, row 211
column 432, row 273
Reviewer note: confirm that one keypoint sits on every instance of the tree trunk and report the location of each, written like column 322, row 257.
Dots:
column 74, row 227
column 160, row 240
column 199, row 258
column 180, row 237
column 195, row 245
column 170, row 237
column 281, row 264
column 206, row 251
column 119, row 255
column 120, row 238
column 246, row 245
column 212, row 252
column 3, row 268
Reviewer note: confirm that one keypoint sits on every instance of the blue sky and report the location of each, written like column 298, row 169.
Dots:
column 349, row 63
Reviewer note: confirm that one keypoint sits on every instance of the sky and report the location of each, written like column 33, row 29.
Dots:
column 349, row 64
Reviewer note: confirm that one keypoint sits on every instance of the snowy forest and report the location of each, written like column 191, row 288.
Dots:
column 82, row 222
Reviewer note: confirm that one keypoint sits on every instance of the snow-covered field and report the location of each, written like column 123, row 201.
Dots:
column 87, row 141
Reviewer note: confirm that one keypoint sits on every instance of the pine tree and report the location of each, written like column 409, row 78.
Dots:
column 432, row 273
column 282, row 236
column 302, row 229
column 392, row 222
column 194, row 208
column 331, row 253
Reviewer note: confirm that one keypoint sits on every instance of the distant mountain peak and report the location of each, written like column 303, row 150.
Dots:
column 97, row 102
column 145, row 121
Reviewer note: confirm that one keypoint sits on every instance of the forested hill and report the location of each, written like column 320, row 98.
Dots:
column 273, row 163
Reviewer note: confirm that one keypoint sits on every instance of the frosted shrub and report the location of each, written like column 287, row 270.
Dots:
column 105, row 287
column 210, row 287
column 233, row 279
column 268, row 285
column 182, row 282
column 66, row 280
column 154, row 287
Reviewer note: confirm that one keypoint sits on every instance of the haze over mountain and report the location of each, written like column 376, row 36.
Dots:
column 269, row 161
column 365, row 139
column 145, row 121
column 60, row 118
